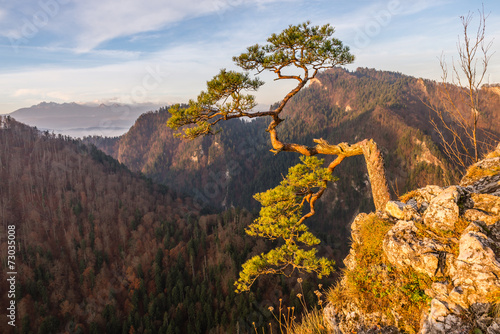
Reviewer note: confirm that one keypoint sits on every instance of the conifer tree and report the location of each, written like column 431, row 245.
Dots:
column 298, row 53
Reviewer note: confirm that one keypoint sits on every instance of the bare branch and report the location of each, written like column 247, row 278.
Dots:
column 458, row 128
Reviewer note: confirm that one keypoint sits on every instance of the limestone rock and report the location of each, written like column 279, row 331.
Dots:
column 487, row 185
column 426, row 194
column 395, row 209
column 349, row 319
column 444, row 318
column 350, row 260
column 494, row 328
column 477, row 267
column 476, row 215
column 451, row 235
column 487, row 203
column 400, row 210
column 438, row 289
column 404, row 248
column 484, row 176
column 443, row 210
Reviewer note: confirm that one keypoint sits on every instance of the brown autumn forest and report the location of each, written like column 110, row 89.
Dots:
column 153, row 241
column 103, row 250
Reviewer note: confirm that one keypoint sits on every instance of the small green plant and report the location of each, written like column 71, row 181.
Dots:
column 413, row 287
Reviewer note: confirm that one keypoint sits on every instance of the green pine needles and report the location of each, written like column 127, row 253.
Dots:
column 306, row 47
column 223, row 99
column 301, row 48
column 281, row 219
column 298, row 54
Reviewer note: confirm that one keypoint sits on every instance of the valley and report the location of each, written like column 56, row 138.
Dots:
column 146, row 232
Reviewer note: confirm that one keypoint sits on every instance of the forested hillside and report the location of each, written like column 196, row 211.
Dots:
column 339, row 106
column 100, row 249
column 226, row 169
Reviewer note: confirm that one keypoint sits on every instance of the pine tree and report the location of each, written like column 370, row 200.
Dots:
column 298, row 53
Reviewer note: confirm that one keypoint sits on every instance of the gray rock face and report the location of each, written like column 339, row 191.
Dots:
column 444, row 317
column 484, row 176
column 404, row 248
column 351, row 320
column 452, row 235
column 401, row 210
column 443, row 210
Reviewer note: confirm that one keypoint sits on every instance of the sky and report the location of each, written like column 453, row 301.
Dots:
column 163, row 51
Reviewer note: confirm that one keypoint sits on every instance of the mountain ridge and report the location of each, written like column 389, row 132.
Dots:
column 330, row 112
column 78, row 120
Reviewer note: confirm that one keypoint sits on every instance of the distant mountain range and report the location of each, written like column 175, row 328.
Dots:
column 79, row 120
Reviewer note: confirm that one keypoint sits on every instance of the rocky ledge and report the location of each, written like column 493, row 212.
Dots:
column 447, row 243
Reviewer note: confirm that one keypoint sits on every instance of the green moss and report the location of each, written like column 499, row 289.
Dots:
column 372, row 232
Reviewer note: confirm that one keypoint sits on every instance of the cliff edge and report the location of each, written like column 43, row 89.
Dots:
column 429, row 263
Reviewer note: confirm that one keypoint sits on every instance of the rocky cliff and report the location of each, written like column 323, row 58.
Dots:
column 429, row 263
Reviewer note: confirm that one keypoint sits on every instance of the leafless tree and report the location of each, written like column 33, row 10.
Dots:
column 459, row 108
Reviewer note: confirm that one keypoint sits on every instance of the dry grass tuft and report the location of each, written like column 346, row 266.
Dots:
column 409, row 195
column 312, row 323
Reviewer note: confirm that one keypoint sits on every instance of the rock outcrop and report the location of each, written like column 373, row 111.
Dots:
column 440, row 251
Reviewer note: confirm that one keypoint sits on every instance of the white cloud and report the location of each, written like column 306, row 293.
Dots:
column 103, row 20
column 28, row 92
column 410, row 43
column 42, row 94
column 173, row 75
column 84, row 25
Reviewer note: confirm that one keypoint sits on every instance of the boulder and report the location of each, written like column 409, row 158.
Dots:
column 484, row 176
column 444, row 318
column 400, row 210
column 405, row 248
column 487, row 203
column 443, row 210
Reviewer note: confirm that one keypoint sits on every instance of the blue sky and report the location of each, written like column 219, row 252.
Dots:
column 162, row 51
